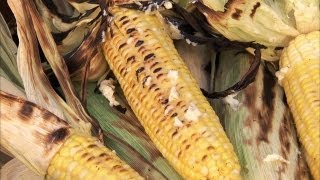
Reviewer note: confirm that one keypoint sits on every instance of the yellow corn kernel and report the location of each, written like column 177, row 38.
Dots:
column 301, row 82
column 165, row 97
column 76, row 160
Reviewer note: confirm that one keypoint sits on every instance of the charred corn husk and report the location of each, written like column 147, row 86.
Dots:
column 166, row 98
column 270, row 23
column 258, row 122
column 50, row 147
column 300, row 77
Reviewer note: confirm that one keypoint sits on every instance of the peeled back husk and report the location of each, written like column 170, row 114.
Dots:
column 258, row 122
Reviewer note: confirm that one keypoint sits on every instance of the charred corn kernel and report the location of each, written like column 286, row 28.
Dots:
column 83, row 157
column 166, row 98
column 301, row 82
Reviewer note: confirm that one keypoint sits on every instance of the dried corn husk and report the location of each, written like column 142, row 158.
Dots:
column 15, row 169
column 37, row 86
column 19, row 135
column 75, row 36
column 270, row 23
column 258, row 122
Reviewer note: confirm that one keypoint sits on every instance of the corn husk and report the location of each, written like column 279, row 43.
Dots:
column 8, row 49
column 29, row 132
column 75, row 36
column 258, row 122
column 37, row 86
column 270, row 23
column 15, row 169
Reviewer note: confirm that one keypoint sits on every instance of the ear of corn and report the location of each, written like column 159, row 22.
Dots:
column 300, row 77
column 51, row 147
column 83, row 157
column 166, row 98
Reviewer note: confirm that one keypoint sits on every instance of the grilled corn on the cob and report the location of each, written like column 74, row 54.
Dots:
column 166, row 98
column 300, row 77
column 50, row 147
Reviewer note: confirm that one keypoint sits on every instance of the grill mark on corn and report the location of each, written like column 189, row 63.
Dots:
column 123, row 17
column 131, row 58
column 92, row 146
column 58, row 135
column 138, row 71
column 255, row 7
column 26, row 110
column 122, row 45
column 157, row 70
column 125, row 22
column 139, row 43
column 237, row 14
column 130, row 30
column 149, row 56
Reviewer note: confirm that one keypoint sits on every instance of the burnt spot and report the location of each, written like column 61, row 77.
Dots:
column 156, row 89
column 122, row 45
column 122, row 70
column 26, row 110
column 84, row 155
column 138, row 43
column 179, row 154
column 174, row 115
column 122, row 18
column 142, row 50
column 302, row 171
column 174, row 133
column 188, row 146
column 111, row 33
column 285, row 134
column 116, row 167
column 152, row 86
column 149, row 56
column 131, row 58
column 266, row 114
column 204, row 157
column 210, row 148
column 103, row 155
column 255, row 7
column 164, row 101
column 159, row 75
column 92, row 146
column 138, row 71
column 153, row 65
column 237, row 14
column 135, row 18
column 125, row 22
column 278, row 48
column 58, row 135
column 130, row 30
column 46, row 115
column 157, row 70
column 91, row 158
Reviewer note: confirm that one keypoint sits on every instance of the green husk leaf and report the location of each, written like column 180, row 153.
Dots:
column 8, row 51
column 261, row 125
column 123, row 127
